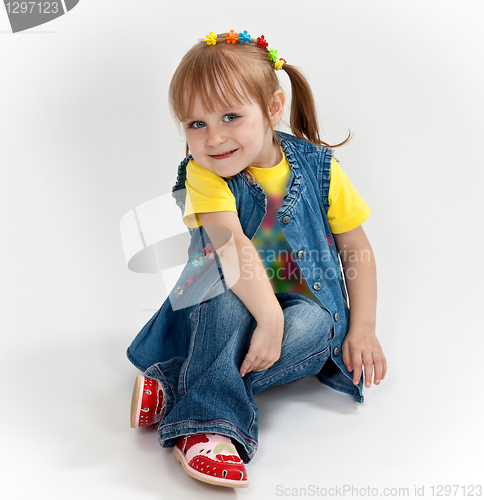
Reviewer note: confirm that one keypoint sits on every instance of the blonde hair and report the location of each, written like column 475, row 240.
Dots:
column 223, row 75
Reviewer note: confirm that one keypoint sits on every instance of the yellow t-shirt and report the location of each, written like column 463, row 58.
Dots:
column 208, row 192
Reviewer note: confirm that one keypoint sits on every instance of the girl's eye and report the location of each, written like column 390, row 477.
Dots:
column 196, row 124
column 230, row 117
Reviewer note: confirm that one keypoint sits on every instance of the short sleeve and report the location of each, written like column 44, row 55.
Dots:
column 347, row 209
column 206, row 192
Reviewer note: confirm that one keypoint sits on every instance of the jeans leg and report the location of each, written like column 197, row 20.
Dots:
column 167, row 373
column 211, row 396
column 170, row 342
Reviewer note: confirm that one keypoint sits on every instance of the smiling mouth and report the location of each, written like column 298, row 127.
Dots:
column 224, row 155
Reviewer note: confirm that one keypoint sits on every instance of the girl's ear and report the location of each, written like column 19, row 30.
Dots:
column 277, row 107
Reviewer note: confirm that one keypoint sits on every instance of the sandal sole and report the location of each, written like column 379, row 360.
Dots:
column 231, row 483
column 136, row 401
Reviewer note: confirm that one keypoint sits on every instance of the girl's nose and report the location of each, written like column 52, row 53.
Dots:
column 215, row 137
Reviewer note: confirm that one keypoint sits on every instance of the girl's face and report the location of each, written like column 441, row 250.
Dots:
column 229, row 140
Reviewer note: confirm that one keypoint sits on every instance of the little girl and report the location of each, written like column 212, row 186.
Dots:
column 262, row 299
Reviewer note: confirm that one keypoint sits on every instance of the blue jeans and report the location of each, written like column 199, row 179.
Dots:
column 204, row 392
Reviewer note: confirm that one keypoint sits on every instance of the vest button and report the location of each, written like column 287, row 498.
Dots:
column 301, row 254
column 286, row 219
column 317, row 285
column 336, row 351
column 336, row 317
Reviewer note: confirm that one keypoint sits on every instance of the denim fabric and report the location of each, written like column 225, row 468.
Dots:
column 205, row 392
column 168, row 346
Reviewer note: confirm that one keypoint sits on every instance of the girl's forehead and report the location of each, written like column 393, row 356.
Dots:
column 198, row 104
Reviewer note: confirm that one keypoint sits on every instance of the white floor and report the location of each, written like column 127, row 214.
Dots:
column 65, row 430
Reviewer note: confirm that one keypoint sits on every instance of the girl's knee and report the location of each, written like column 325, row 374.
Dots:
column 307, row 326
column 227, row 305
column 221, row 319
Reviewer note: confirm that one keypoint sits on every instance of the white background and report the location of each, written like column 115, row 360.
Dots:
column 86, row 136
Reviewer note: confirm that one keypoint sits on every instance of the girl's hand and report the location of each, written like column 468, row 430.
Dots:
column 265, row 345
column 361, row 348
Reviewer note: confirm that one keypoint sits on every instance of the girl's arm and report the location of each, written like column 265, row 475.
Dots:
column 361, row 347
column 246, row 276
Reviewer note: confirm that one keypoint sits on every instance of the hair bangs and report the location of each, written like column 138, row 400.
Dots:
column 221, row 79
column 217, row 87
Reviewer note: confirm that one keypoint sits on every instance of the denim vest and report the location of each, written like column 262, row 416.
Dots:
column 303, row 220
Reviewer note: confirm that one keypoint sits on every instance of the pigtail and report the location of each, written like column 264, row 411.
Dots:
column 249, row 175
column 304, row 119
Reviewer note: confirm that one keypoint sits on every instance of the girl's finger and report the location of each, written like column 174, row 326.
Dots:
column 347, row 357
column 357, row 368
column 264, row 366
column 368, row 362
column 378, row 371
column 246, row 365
column 256, row 365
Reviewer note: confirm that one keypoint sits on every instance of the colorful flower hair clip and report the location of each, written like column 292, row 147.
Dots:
column 244, row 37
column 279, row 63
column 211, row 39
column 273, row 55
column 262, row 42
column 231, row 37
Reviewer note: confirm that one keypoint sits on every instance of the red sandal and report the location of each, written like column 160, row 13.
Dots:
column 211, row 458
column 147, row 403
